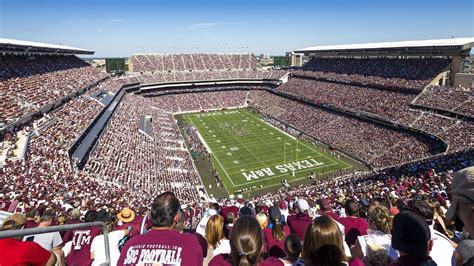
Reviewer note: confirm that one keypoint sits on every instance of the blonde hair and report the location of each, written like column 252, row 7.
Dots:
column 214, row 230
column 379, row 216
column 262, row 219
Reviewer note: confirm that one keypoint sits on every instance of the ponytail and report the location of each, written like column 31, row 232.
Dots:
column 277, row 231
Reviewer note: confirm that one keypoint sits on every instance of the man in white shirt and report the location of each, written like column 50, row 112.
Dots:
column 213, row 210
column 98, row 247
column 442, row 251
column 49, row 241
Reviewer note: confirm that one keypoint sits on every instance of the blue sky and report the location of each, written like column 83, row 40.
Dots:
column 122, row 28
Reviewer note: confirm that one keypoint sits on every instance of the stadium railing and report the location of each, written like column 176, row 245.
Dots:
column 60, row 228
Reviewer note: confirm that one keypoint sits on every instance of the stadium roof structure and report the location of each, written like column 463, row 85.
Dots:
column 18, row 46
column 439, row 47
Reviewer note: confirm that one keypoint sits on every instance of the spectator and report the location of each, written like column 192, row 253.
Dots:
column 411, row 237
column 19, row 252
column 181, row 228
column 213, row 210
column 284, row 211
column 323, row 244
column 442, row 251
column 275, row 236
column 246, row 244
column 162, row 238
column 31, row 218
column 126, row 218
column 293, row 251
column 354, row 226
column 374, row 247
column 218, row 243
column 326, row 209
column 462, row 207
column 82, row 240
column 49, row 241
column 300, row 221
column 262, row 220
column 75, row 219
column 98, row 247
column 229, row 208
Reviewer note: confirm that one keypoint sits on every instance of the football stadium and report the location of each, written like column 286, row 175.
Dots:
column 352, row 153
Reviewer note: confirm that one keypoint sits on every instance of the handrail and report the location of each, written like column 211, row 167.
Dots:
column 49, row 229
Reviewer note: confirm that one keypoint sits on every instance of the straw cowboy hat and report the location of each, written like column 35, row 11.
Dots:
column 126, row 215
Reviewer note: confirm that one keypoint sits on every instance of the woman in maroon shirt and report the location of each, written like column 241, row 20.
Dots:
column 275, row 236
column 246, row 246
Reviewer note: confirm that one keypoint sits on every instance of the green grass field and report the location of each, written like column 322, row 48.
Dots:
column 248, row 152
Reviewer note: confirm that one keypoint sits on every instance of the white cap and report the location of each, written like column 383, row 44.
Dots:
column 302, row 205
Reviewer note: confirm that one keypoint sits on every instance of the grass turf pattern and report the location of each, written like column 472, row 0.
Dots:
column 247, row 152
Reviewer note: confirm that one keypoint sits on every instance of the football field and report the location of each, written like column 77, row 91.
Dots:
column 249, row 153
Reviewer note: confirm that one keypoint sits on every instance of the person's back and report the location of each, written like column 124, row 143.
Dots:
column 293, row 249
column 50, row 240
column 442, row 251
column 97, row 248
column 354, row 226
column 162, row 244
column 81, row 242
column 299, row 222
column 13, row 251
column 165, row 246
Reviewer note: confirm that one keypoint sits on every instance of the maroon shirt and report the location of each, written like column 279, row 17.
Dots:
column 354, row 227
column 167, row 247
column 275, row 248
column 135, row 224
column 30, row 224
column 331, row 214
column 69, row 233
column 81, row 246
column 224, row 260
column 298, row 224
column 230, row 209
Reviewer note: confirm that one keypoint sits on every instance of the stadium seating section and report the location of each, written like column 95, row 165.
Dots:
column 129, row 167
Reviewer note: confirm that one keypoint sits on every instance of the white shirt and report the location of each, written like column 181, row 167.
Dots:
column 201, row 227
column 98, row 248
column 48, row 240
column 442, row 252
column 223, row 247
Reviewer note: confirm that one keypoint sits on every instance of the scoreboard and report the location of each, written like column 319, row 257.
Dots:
column 115, row 65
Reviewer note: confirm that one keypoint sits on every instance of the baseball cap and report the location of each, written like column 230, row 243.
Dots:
column 274, row 213
column 283, row 205
column 103, row 216
column 14, row 220
column 410, row 233
column 462, row 190
column 302, row 205
column 245, row 211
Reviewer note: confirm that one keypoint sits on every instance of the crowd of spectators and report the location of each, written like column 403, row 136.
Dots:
column 414, row 214
column 402, row 74
column 165, row 77
column 30, row 83
column 192, row 62
column 390, row 105
column 367, row 218
column 393, row 106
column 45, row 177
column 126, row 157
column 458, row 100
column 376, row 145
